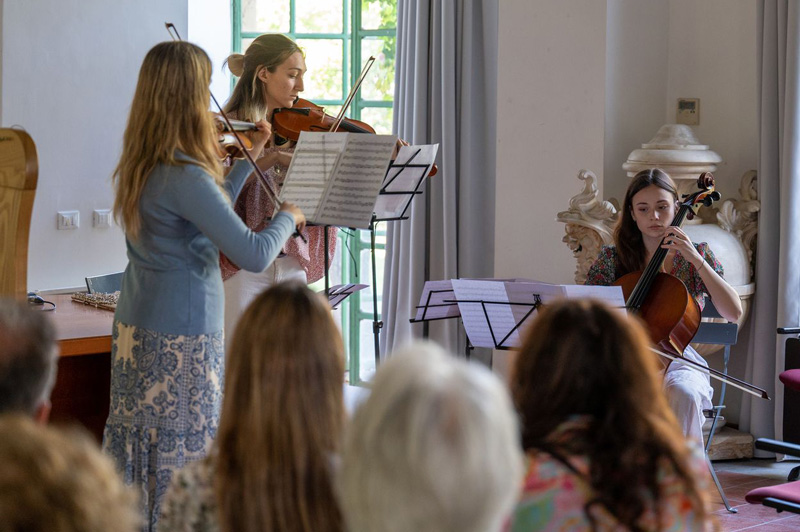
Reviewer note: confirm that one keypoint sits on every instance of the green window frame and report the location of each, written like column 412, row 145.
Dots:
column 354, row 246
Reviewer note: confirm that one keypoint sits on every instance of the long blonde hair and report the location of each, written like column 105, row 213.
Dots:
column 266, row 51
column 169, row 112
column 282, row 416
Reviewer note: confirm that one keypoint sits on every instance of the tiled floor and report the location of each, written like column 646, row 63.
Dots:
column 739, row 477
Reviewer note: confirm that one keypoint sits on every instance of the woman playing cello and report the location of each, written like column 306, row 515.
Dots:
column 650, row 205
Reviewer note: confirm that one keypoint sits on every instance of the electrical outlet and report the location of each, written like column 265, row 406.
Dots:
column 101, row 218
column 68, row 220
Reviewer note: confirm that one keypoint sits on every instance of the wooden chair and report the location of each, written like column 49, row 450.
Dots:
column 19, row 171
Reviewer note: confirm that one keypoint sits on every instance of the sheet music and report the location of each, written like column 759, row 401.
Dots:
column 335, row 177
column 350, row 200
column 340, row 292
column 431, row 302
column 409, row 168
column 522, row 293
column 313, row 162
column 610, row 295
column 474, row 317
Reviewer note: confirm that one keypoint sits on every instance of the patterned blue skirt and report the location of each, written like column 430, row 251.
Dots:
column 166, row 394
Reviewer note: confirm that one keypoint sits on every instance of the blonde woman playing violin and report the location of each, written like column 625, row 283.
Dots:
column 270, row 76
column 174, row 205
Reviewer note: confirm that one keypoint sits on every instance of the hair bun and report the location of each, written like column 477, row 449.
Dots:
column 236, row 64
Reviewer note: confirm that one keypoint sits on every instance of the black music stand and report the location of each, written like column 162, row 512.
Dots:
column 404, row 178
column 337, row 294
column 489, row 310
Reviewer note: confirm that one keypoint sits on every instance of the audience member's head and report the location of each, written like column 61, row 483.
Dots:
column 582, row 359
column 28, row 360
column 282, row 415
column 54, row 481
column 435, row 447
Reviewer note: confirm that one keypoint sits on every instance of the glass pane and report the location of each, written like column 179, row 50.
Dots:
column 380, row 236
column 367, row 350
column 366, row 278
column 265, row 16
column 378, row 14
column 380, row 118
column 323, row 81
column 379, row 84
column 246, row 43
column 313, row 16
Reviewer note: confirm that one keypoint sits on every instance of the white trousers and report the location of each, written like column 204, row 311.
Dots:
column 244, row 286
column 689, row 392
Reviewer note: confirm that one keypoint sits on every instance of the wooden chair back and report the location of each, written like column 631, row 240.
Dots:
column 19, row 171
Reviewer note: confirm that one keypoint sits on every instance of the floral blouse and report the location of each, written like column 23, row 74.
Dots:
column 190, row 504
column 554, row 495
column 604, row 270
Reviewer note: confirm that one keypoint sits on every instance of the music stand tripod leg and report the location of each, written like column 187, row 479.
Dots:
column 376, row 323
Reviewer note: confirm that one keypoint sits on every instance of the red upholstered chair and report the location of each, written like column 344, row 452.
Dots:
column 783, row 496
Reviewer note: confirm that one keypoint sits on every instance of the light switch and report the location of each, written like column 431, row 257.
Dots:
column 68, row 220
column 101, row 218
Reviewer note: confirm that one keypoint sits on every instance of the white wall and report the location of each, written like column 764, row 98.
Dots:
column 210, row 27
column 70, row 68
column 713, row 56
column 551, row 106
column 661, row 51
column 636, row 83
column 69, row 71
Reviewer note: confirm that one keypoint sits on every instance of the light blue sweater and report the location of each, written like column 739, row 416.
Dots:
column 172, row 283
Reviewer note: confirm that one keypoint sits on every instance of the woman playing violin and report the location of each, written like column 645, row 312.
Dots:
column 270, row 77
column 175, row 207
column 650, row 205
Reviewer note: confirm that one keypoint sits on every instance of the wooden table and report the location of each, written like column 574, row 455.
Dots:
column 82, row 389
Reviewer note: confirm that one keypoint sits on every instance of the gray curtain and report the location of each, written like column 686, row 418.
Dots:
column 777, row 298
column 446, row 79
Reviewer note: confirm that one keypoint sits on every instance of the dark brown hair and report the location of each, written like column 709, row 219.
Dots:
column 581, row 358
column 631, row 253
column 282, row 416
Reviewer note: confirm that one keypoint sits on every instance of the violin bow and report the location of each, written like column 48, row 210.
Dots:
column 711, row 372
column 353, row 90
column 262, row 178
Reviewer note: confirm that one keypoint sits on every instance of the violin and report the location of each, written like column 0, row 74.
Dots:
column 662, row 301
column 304, row 115
column 289, row 122
column 229, row 124
column 229, row 146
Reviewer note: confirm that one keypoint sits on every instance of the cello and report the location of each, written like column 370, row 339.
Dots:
column 662, row 301
column 669, row 312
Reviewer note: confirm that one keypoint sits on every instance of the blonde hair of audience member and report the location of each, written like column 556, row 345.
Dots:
column 282, row 416
column 434, row 448
column 169, row 113
column 268, row 52
column 59, row 481
column 28, row 360
column 581, row 358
